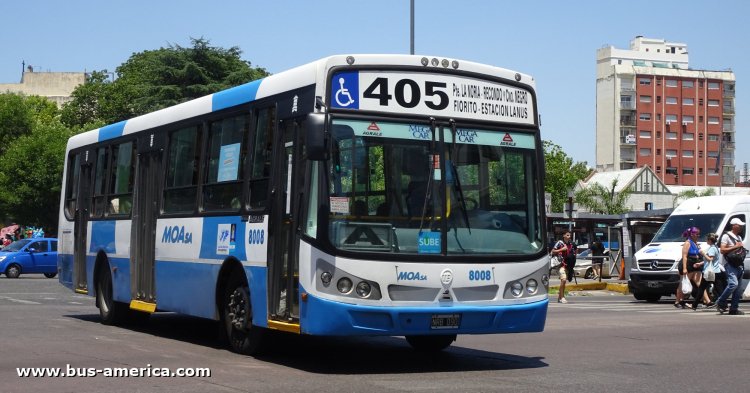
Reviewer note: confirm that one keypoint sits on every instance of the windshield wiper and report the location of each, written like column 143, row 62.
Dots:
column 456, row 181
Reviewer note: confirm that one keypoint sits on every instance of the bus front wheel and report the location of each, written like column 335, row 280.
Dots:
column 243, row 337
column 431, row 343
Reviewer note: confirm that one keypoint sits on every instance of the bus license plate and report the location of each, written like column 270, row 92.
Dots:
column 445, row 321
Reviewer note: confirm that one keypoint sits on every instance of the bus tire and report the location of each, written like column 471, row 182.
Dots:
column 13, row 271
column 110, row 311
column 243, row 336
column 431, row 343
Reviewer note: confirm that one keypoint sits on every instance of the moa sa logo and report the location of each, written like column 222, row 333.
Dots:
column 411, row 276
column 176, row 234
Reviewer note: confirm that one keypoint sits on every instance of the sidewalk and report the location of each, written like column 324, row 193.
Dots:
column 607, row 284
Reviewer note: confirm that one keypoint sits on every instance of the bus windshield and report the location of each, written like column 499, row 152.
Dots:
column 409, row 189
column 675, row 226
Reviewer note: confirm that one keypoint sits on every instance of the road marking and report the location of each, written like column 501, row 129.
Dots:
column 18, row 300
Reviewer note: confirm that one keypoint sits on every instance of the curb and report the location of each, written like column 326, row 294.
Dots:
column 595, row 286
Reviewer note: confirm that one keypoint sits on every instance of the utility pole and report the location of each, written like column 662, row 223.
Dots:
column 412, row 27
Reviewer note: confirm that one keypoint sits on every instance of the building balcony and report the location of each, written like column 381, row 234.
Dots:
column 627, row 105
column 627, row 122
column 728, row 93
column 627, row 88
column 728, row 110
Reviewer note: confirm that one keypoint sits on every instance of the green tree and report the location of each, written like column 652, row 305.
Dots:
column 562, row 174
column 18, row 114
column 155, row 79
column 691, row 193
column 604, row 200
column 30, row 179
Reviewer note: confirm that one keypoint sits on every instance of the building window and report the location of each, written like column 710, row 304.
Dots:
column 700, row 153
column 671, row 119
column 644, row 152
column 713, row 85
column 687, row 171
column 671, row 83
column 671, row 135
column 671, row 170
column 671, row 100
column 713, row 102
column 658, row 81
column 645, row 116
column 645, row 134
column 700, row 119
column 687, row 153
column 688, row 119
column 644, row 81
column 658, row 134
column 658, row 169
column 688, row 101
column 713, row 120
column 700, row 171
column 688, row 136
column 713, row 137
column 700, row 83
column 645, row 99
column 658, row 117
column 700, row 101
column 658, row 152
column 700, row 136
column 658, row 99
column 671, row 153
column 688, row 84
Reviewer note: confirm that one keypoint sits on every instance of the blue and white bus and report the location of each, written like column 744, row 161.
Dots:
column 356, row 195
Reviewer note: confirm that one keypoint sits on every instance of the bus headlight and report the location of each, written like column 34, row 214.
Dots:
column 326, row 277
column 531, row 286
column 516, row 289
column 363, row 289
column 344, row 285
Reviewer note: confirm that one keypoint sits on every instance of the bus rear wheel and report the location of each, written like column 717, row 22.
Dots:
column 110, row 311
column 431, row 343
column 243, row 337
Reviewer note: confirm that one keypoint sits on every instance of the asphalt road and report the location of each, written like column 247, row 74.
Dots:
column 601, row 342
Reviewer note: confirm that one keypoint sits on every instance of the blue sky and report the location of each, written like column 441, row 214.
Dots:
column 554, row 41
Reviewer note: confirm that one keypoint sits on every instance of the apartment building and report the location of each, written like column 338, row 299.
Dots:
column 55, row 86
column 653, row 109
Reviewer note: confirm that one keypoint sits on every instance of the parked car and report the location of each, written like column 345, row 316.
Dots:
column 26, row 256
column 584, row 266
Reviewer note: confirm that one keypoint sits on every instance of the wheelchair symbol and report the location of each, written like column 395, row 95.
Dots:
column 343, row 92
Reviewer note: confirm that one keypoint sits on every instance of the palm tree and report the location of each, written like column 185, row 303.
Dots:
column 691, row 193
column 599, row 199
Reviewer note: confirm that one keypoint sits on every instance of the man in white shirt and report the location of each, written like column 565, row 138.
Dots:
column 730, row 242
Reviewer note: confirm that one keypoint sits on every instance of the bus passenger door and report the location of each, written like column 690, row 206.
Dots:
column 283, row 250
column 81, row 221
column 146, row 195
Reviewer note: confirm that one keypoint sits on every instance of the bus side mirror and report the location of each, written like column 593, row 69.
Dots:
column 316, row 137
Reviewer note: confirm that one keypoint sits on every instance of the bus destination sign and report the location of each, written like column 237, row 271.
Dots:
column 431, row 94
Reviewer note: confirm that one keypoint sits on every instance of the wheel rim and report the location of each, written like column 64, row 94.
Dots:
column 238, row 310
column 13, row 271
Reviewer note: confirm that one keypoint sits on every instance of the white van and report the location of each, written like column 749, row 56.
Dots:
column 654, row 272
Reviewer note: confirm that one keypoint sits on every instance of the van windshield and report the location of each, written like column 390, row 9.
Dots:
column 673, row 228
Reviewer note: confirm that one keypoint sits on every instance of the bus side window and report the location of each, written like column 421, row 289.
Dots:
column 121, row 180
column 180, row 190
column 262, row 149
column 71, row 185
column 100, row 176
column 222, row 190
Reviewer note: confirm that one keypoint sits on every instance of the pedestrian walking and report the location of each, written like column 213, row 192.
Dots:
column 567, row 250
column 692, row 263
column 733, row 251
column 710, row 267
